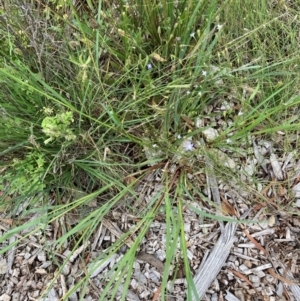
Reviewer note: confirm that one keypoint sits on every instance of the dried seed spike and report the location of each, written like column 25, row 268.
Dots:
column 158, row 58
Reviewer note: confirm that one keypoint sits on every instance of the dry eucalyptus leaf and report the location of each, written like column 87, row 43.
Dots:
column 227, row 208
column 281, row 190
column 152, row 260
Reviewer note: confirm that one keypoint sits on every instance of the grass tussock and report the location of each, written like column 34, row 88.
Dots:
column 92, row 93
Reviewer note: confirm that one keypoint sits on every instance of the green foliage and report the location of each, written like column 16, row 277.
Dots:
column 57, row 127
column 25, row 176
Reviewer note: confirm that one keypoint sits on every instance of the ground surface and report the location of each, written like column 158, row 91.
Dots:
column 263, row 262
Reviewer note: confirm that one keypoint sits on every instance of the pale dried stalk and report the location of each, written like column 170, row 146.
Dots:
column 211, row 268
column 212, row 184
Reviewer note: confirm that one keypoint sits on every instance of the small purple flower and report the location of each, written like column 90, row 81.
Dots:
column 149, row 66
column 188, row 145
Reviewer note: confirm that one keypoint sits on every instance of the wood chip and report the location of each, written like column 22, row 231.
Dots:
column 102, row 266
column 78, row 251
column 276, row 167
column 231, row 297
column 257, row 269
column 114, row 229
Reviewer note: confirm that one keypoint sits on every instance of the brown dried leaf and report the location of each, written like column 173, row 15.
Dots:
column 130, row 180
column 255, row 242
column 257, row 207
column 93, row 23
column 241, row 276
column 281, row 190
column 275, row 275
column 188, row 120
column 227, row 208
column 151, row 259
column 8, row 221
column 156, row 294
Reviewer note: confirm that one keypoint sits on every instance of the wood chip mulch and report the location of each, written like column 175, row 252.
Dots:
column 263, row 261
